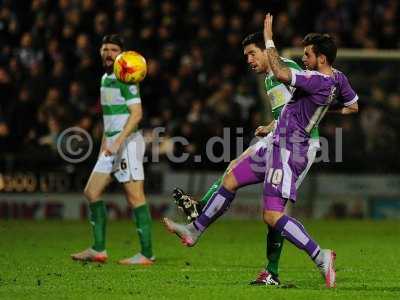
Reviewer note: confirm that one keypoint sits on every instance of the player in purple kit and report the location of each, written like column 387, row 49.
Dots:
column 287, row 159
column 315, row 91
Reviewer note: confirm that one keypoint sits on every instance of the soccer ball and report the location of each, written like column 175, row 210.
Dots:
column 130, row 67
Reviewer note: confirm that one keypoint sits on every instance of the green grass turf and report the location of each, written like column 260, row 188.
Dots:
column 35, row 263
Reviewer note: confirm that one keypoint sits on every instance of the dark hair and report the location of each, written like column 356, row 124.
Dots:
column 322, row 44
column 114, row 39
column 256, row 38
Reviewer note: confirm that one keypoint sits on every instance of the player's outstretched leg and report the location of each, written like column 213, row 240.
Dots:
column 274, row 243
column 187, row 204
column 249, row 169
column 190, row 206
column 98, row 219
column 213, row 188
column 186, row 232
column 295, row 232
column 218, row 204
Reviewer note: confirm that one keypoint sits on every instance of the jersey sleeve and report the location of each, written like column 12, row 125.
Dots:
column 307, row 81
column 347, row 96
column 292, row 64
column 131, row 94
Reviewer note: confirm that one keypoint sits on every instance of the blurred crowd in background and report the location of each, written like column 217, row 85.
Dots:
column 198, row 81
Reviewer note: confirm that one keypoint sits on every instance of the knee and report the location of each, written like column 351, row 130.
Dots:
column 231, row 165
column 91, row 195
column 136, row 199
column 229, row 181
column 271, row 217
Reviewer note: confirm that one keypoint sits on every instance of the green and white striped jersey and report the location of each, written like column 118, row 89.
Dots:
column 280, row 93
column 116, row 96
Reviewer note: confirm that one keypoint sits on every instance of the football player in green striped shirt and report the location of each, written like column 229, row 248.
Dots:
column 121, row 156
column 279, row 94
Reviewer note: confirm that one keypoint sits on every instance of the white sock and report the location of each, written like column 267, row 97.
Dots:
column 319, row 259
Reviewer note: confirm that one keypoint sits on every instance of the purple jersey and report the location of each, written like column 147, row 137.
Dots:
column 314, row 93
column 292, row 154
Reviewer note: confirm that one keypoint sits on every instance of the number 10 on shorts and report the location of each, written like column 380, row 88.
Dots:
column 274, row 176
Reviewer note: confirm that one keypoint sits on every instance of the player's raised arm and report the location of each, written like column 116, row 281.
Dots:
column 279, row 68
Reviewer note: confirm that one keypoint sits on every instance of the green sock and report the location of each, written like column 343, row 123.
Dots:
column 207, row 196
column 98, row 220
column 274, row 249
column 143, row 227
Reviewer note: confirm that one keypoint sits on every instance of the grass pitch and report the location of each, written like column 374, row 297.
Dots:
column 35, row 263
